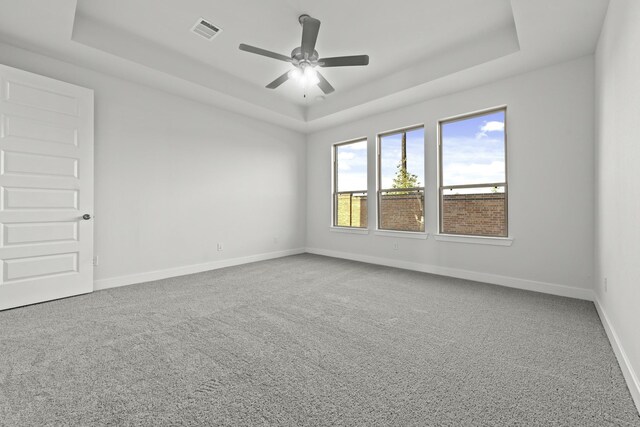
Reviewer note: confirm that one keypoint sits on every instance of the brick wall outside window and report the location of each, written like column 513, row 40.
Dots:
column 402, row 212
column 352, row 211
column 473, row 214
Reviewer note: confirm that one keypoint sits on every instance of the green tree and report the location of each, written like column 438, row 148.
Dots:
column 403, row 178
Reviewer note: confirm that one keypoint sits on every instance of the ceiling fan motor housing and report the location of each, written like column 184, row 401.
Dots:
column 298, row 57
column 302, row 17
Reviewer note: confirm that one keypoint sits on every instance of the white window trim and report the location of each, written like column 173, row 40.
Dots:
column 332, row 226
column 349, row 230
column 477, row 240
column 499, row 241
column 399, row 233
column 402, row 234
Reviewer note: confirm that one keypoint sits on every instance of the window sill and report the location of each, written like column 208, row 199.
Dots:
column 402, row 234
column 349, row 230
column 478, row 240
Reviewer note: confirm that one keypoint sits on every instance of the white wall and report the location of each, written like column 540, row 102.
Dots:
column 174, row 177
column 618, row 183
column 550, row 173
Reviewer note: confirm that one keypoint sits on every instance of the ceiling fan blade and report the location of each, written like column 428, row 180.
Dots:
column 310, row 28
column 277, row 82
column 344, row 61
column 257, row 50
column 324, row 85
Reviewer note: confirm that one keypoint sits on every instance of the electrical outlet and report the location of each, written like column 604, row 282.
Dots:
column 606, row 286
column 220, row 247
column 395, row 246
column 95, row 261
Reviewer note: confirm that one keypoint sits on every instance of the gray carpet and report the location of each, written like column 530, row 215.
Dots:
column 310, row 340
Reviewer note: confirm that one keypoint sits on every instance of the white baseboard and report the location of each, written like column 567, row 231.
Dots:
column 131, row 279
column 633, row 382
column 511, row 282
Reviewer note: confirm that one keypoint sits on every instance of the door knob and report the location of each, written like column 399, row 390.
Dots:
column 86, row 216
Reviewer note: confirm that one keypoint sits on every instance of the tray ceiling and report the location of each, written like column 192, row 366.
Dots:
column 417, row 48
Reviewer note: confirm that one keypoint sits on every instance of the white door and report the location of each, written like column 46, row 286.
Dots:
column 46, row 186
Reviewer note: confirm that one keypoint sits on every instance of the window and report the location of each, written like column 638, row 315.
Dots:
column 401, row 180
column 473, row 175
column 350, row 184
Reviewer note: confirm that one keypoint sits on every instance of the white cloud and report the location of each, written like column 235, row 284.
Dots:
column 473, row 173
column 493, row 126
column 346, row 155
column 352, row 182
column 358, row 146
column 352, row 169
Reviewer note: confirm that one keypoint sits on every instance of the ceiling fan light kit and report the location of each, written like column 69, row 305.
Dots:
column 305, row 76
column 305, row 59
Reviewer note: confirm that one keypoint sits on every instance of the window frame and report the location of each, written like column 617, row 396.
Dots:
column 334, row 186
column 380, row 190
column 505, row 184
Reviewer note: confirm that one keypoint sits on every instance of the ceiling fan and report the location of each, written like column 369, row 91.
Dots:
column 305, row 58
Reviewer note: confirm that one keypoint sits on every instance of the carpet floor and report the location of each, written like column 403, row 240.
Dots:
column 310, row 340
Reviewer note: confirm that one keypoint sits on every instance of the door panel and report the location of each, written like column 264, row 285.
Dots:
column 21, row 128
column 47, row 266
column 17, row 163
column 39, row 232
column 19, row 90
column 41, row 199
column 46, row 185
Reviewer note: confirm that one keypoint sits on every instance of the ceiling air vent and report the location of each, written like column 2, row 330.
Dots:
column 205, row 29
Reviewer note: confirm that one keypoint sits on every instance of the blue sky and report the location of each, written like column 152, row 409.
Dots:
column 473, row 150
column 352, row 166
column 352, row 160
column 473, row 153
column 391, row 155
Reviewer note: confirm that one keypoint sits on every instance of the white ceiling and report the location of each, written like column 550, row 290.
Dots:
column 417, row 48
